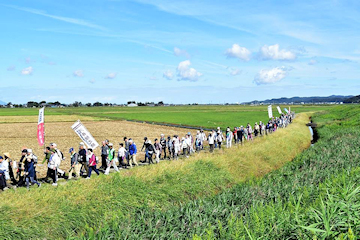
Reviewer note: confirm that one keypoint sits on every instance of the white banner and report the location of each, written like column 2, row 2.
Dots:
column 41, row 115
column 270, row 111
column 85, row 135
column 279, row 110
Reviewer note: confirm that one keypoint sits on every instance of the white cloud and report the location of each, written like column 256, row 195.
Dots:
column 273, row 52
column 168, row 74
column 111, row 75
column 312, row 62
column 180, row 52
column 234, row 71
column 27, row 71
column 270, row 76
column 238, row 52
column 78, row 73
column 185, row 72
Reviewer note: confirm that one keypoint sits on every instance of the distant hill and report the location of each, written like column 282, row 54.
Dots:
column 332, row 98
column 355, row 99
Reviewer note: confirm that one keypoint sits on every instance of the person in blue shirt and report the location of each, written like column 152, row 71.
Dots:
column 132, row 153
column 30, row 172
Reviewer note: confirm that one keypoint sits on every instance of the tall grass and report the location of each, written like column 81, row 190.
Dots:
column 97, row 207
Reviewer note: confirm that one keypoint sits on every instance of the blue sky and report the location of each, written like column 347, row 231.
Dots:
column 177, row 51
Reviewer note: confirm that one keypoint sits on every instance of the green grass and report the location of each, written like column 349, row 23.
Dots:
column 316, row 196
column 95, row 208
column 200, row 116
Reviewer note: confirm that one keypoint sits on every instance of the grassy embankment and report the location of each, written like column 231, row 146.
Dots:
column 102, row 204
column 316, row 196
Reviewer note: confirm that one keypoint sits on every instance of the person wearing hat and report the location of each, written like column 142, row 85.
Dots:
column 211, row 140
column 30, row 170
column 34, row 158
column 132, row 153
column 4, row 166
column 53, row 165
column 12, row 166
column 126, row 146
column 111, row 160
column 121, row 156
column 74, row 164
column 60, row 155
column 83, row 159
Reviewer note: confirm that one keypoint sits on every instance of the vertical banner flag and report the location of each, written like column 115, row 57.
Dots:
column 270, row 111
column 279, row 110
column 85, row 135
column 40, row 127
column 287, row 111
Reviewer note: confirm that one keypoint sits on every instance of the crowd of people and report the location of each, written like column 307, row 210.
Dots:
column 83, row 161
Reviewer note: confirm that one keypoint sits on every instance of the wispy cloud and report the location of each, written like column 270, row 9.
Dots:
column 11, row 68
column 75, row 21
column 181, row 52
column 168, row 74
column 78, row 73
column 111, row 75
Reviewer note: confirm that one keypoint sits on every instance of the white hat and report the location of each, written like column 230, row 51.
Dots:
column 82, row 144
column 131, row 141
column 162, row 135
column 29, row 150
column 110, row 144
column 53, row 144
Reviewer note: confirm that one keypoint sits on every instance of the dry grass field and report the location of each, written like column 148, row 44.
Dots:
column 18, row 135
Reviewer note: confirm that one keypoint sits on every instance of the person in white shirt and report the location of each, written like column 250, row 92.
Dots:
column 211, row 140
column 53, row 165
column 122, row 155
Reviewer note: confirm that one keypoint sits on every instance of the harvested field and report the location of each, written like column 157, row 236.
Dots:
column 15, row 136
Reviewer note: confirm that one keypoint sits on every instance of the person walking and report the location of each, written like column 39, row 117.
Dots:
column 74, row 163
column 249, row 131
column 83, row 159
column 47, row 153
column 53, row 165
column 169, row 145
column 122, row 155
column 158, row 149
column 12, row 167
column 211, row 140
column 163, row 146
column 126, row 146
column 21, row 168
column 219, row 137
column 61, row 157
column 92, row 163
column 229, row 136
column 132, row 153
column 150, row 150
column 104, row 155
column 30, row 171
column 111, row 160
column 4, row 168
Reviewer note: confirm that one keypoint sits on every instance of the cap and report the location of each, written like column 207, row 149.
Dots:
column 1, row 157
column 145, row 138
column 82, row 144
column 71, row 149
column 110, row 144
column 24, row 151
column 53, row 144
column 29, row 150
